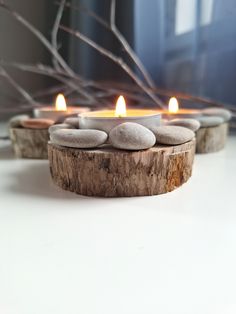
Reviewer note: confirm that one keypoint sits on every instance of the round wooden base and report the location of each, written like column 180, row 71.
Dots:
column 110, row 172
column 211, row 139
column 30, row 143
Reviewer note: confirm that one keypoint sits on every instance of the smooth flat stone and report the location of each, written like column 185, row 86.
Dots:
column 62, row 118
column 218, row 112
column 60, row 126
column 78, row 138
column 37, row 123
column 72, row 121
column 191, row 124
column 131, row 136
column 209, row 121
column 173, row 135
column 164, row 121
column 15, row 121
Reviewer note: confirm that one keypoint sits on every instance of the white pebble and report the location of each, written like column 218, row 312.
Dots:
column 60, row 126
column 173, row 135
column 218, row 112
column 210, row 121
column 191, row 124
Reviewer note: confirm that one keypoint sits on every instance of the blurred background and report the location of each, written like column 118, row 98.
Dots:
column 186, row 45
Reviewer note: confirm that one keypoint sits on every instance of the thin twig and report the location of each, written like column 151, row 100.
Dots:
column 62, row 88
column 113, row 28
column 87, row 11
column 116, row 60
column 55, row 29
column 49, row 46
column 59, row 75
column 131, row 91
column 51, row 49
column 39, row 35
column 19, row 88
column 168, row 93
column 127, row 47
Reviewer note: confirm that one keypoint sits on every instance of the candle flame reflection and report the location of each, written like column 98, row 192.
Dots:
column 60, row 103
column 173, row 105
column 120, row 107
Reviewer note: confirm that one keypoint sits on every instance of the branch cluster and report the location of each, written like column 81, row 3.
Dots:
column 89, row 92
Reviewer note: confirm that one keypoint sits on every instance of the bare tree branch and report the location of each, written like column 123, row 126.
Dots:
column 59, row 75
column 170, row 93
column 39, row 35
column 113, row 13
column 116, row 60
column 55, row 89
column 20, row 89
column 113, row 28
column 55, row 29
column 51, row 49
column 114, row 88
column 88, row 12
column 126, row 45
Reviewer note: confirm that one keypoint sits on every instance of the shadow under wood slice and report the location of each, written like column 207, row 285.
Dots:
column 109, row 172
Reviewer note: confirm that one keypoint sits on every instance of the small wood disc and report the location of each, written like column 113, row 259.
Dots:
column 211, row 139
column 30, row 143
column 109, row 172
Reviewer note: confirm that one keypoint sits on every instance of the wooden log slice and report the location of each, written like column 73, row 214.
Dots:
column 211, row 139
column 30, row 143
column 110, row 172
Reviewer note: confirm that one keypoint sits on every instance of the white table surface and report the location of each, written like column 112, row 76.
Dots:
column 61, row 253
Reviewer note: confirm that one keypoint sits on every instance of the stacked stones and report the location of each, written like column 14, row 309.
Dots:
column 125, row 136
column 210, row 130
column 29, row 136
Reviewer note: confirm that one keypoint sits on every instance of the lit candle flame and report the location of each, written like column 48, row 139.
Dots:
column 60, row 103
column 120, row 107
column 173, row 105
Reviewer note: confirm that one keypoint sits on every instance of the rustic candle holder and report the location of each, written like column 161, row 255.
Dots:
column 29, row 143
column 109, row 172
column 211, row 139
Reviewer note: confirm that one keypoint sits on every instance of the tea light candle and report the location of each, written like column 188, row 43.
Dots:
column 59, row 111
column 174, row 112
column 106, row 120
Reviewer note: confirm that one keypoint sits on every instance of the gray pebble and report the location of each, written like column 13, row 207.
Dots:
column 131, row 136
column 15, row 121
column 78, row 138
column 56, row 127
column 209, row 121
column 173, row 135
column 218, row 112
column 191, row 124
column 72, row 121
column 164, row 121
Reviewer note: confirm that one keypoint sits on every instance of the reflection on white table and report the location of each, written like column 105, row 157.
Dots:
column 64, row 253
